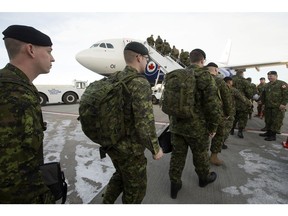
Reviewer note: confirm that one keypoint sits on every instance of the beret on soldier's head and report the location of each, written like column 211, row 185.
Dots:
column 27, row 34
column 200, row 51
column 272, row 73
column 240, row 70
column 212, row 64
column 226, row 79
column 137, row 48
column 262, row 78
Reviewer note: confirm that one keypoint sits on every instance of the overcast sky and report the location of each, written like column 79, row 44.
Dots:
column 256, row 36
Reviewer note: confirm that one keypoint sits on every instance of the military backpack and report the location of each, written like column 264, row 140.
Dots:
column 101, row 110
column 179, row 93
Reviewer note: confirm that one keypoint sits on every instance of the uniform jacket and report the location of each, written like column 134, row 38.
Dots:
column 21, row 139
column 207, row 108
column 139, row 117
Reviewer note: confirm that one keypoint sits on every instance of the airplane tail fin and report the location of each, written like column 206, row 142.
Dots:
column 226, row 53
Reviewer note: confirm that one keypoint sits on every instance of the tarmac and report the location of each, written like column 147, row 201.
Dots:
column 255, row 171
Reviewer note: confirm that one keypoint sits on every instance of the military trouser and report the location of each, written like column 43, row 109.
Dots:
column 274, row 119
column 199, row 148
column 218, row 139
column 130, row 178
column 241, row 117
column 227, row 127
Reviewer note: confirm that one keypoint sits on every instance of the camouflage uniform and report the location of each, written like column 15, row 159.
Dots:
column 159, row 44
column 260, row 89
column 175, row 53
column 150, row 41
column 236, row 95
column 274, row 94
column 166, row 49
column 194, row 133
column 184, row 58
column 226, row 111
column 128, row 156
column 21, row 134
column 242, row 111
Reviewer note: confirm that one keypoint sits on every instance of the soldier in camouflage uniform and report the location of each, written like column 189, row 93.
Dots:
column 175, row 53
column 128, row 156
column 260, row 89
column 21, row 122
column 274, row 97
column 166, row 49
column 184, row 58
column 159, row 44
column 194, row 133
column 150, row 41
column 255, row 92
column 235, row 95
column 241, row 117
column 225, row 111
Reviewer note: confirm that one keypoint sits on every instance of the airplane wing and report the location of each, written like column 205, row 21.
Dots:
column 257, row 65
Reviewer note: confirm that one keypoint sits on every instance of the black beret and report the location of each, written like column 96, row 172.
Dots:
column 262, row 78
column 212, row 64
column 27, row 34
column 227, row 78
column 200, row 51
column 272, row 73
column 137, row 48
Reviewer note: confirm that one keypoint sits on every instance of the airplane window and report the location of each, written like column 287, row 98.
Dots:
column 95, row 45
column 109, row 46
column 103, row 45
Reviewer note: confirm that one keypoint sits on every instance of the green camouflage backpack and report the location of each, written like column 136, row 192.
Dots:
column 101, row 110
column 179, row 92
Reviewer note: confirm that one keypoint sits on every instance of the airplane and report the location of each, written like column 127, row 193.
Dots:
column 106, row 57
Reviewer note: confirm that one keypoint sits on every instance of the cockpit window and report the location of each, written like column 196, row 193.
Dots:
column 109, row 46
column 95, row 45
column 103, row 45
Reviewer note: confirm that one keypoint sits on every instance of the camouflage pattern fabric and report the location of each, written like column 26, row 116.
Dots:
column 195, row 132
column 274, row 94
column 21, row 145
column 226, row 105
column 184, row 58
column 128, row 155
column 150, row 41
column 242, row 111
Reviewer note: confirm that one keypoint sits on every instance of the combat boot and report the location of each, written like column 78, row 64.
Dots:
column 271, row 137
column 264, row 129
column 224, row 146
column 266, row 134
column 174, row 189
column 215, row 160
column 209, row 179
column 240, row 133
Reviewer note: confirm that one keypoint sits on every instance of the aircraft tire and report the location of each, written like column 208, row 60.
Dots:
column 69, row 98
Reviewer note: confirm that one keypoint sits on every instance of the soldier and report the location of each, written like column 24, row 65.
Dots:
column 260, row 89
column 184, row 58
column 128, row 156
column 150, row 41
column 166, row 49
column 255, row 92
column 194, row 133
column 159, row 44
column 274, row 98
column 241, row 117
column 236, row 94
column 175, row 53
column 21, row 122
column 226, row 113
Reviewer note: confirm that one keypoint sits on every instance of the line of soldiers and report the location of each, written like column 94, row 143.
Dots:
column 163, row 47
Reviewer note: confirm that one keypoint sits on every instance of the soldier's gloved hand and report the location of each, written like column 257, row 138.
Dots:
column 158, row 155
